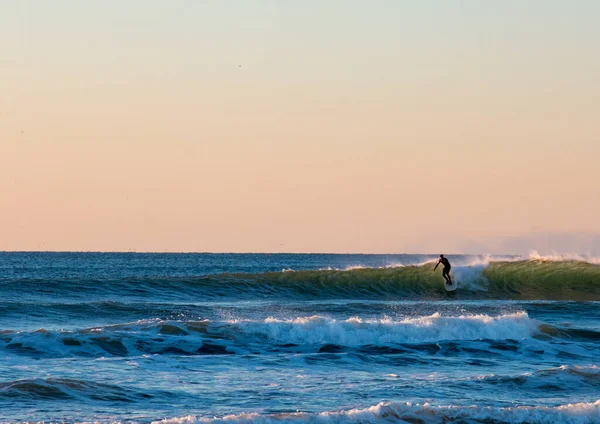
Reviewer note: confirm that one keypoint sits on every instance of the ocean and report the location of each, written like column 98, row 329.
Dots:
column 302, row 338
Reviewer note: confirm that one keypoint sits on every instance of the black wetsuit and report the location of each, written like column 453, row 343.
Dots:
column 446, row 270
column 446, row 264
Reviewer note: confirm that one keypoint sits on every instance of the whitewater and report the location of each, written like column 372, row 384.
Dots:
column 302, row 338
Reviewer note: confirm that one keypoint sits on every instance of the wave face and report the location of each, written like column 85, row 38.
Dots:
column 297, row 338
column 543, row 280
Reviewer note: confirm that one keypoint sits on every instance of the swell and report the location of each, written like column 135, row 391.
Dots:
column 519, row 280
column 433, row 334
column 69, row 388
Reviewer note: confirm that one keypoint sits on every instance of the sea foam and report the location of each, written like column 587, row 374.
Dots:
column 386, row 412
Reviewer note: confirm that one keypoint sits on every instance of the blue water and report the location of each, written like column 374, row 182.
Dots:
column 130, row 337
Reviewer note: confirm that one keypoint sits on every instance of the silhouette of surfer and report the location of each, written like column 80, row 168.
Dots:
column 446, row 271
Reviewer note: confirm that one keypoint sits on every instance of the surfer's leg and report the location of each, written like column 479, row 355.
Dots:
column 446, row 274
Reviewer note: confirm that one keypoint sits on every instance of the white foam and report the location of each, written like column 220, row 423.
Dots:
column 355, row 267
column 359, row 332
column 577, row 413
column 468, row 274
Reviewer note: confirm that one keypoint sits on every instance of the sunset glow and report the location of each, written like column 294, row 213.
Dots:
column 270, row 127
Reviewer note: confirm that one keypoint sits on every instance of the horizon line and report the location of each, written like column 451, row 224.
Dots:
column 260, row 253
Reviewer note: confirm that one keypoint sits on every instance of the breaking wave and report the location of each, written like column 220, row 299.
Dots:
column 387, row 412
column 436, row 333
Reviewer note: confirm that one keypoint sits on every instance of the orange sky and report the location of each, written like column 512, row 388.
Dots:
column 276, row 126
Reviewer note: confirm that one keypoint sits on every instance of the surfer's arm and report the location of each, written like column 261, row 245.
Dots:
column 436, row 265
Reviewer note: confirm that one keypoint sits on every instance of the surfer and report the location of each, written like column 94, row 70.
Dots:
column 446, row 270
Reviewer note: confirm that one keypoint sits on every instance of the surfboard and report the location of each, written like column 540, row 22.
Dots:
column 450, row 287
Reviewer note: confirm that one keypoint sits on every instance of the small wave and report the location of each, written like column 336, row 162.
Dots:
column 386, row 412
column 560, row 378
column 64, row 388
column 549, row 331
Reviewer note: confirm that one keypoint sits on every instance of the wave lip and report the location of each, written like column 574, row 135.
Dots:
column 387, row 412
column 564, row 257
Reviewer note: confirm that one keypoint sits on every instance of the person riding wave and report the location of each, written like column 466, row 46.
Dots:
column 446, row 271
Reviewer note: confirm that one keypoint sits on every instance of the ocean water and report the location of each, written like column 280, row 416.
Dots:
column 253, row 338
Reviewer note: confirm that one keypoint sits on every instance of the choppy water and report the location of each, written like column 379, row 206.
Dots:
column 302, row 338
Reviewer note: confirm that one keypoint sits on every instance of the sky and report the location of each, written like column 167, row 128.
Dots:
column 300, row 126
